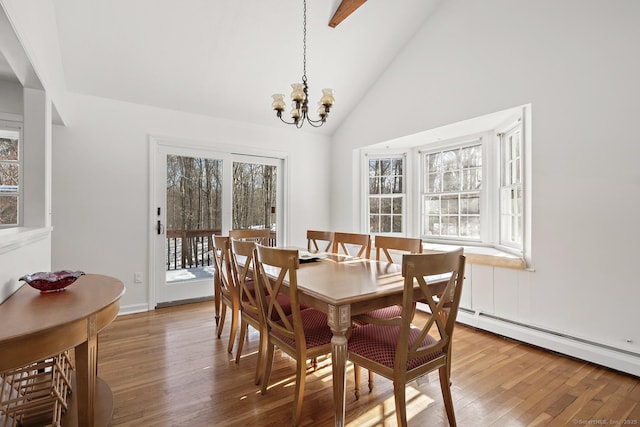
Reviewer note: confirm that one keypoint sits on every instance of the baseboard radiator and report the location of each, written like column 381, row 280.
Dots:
column 611, row 357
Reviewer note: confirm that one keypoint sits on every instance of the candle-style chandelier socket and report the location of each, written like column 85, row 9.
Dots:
column 300, row 93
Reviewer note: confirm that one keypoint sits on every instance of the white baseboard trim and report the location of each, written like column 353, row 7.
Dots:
column 592, row 352
column 133, row 308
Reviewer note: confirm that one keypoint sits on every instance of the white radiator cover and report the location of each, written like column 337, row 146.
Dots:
column 585, row 350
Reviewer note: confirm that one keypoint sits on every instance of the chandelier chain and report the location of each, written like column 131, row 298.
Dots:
column 304, row 42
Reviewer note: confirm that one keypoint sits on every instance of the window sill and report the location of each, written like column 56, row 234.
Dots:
column 482, row 255
column 14, row 238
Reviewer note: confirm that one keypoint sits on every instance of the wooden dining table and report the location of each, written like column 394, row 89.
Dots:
column 37, row 326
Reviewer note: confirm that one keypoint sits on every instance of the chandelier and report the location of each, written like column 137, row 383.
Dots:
column 299, row 95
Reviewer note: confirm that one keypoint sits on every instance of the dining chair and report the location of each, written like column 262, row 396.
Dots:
column 303, row 334
column 260, row 235
column 357, row 241
column 403, row 351
column 315, row 236
column 229, row 296
column 243, row 264
column 384, row 244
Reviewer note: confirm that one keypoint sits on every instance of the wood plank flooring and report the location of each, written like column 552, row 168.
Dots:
column 167, row 368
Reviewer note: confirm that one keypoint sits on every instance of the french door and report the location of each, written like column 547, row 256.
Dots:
column 198, row 192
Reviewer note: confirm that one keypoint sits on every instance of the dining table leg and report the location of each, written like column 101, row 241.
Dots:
column 339, row 320
column 86, row 359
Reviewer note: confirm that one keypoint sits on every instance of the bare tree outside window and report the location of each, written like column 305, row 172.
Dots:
column 9, row 177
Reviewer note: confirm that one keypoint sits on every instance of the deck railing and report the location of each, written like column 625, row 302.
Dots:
column 192, row 248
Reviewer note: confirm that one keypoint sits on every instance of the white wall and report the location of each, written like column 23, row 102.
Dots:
column 35, row 26
column 101, row 181
column 10, row 98
column 573, row 61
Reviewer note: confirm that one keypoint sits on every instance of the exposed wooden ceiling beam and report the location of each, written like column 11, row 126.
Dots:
column 346, row 8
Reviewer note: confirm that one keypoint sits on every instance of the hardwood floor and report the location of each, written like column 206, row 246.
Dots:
column 167, row 368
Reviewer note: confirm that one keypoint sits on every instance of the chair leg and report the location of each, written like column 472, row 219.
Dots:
column 370, row 381
column 356, row 380
column 243, row 333
column 301, row 373
column 223, row 315
column 399, row 392
column 262, row 350
column 445, row 385
column 267, row 361
column 234, row 329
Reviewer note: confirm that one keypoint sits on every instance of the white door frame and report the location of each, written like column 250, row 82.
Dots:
column 201, row 148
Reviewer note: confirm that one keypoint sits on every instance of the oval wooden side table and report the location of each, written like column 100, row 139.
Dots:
column 38, row 326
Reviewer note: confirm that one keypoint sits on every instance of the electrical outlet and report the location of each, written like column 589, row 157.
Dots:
column 137, row 277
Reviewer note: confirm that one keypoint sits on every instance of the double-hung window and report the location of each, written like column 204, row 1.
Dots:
column 386, row 194
column 451, row 191
column 511, row 191
column 10, row 174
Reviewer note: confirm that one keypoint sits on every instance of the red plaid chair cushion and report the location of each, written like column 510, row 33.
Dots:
column 316, row 330
column 378, row 343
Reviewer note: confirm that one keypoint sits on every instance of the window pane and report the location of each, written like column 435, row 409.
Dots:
column 374, row 205
column 374, row 168
column 397, row 224
column 434, row 183
column 397, row 205
column 470, row 204
column 397, row 185
column 432, row 205
column 397, row 165
column 450, row 160
column 9, row 177
column 450, row 225
column 433, row 225
column 471, row 179
column 374, row 185
column 449, row 204
column 470, row 226
column 387, row 185
column 374, row 223
column 385, row 224
column 8, row 210
column 9, row 146
column 433, row 163
column 385, row 205
column 451, row 181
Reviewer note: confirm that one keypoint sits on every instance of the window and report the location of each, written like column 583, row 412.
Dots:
column 386, row 194
column 10, row 174
column 511, row 187
column 462, row 184
column 452, row 182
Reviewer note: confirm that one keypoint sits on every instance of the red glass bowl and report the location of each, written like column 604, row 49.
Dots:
column 51, row 281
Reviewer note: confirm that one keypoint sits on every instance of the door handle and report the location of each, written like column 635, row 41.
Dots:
column 159, row 227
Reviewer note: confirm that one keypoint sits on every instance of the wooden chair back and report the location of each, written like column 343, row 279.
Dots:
column 315, row 236
column 222, row 259
column 281, row 264
column 361, row 243
column 406, row 244
column 243, row 267
column 443, row 301
column 260, row 235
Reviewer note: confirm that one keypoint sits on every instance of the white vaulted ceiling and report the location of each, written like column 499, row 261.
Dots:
column 226, row 58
